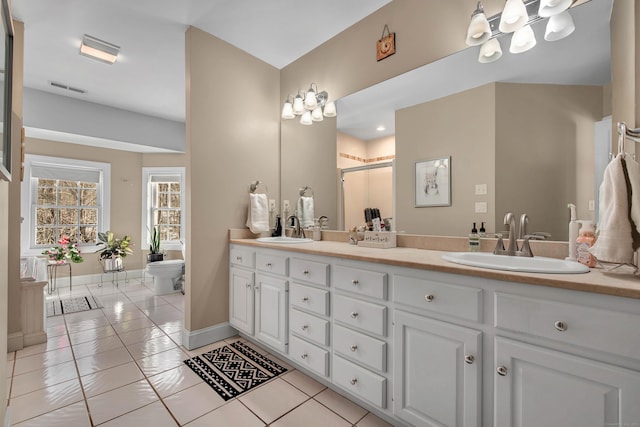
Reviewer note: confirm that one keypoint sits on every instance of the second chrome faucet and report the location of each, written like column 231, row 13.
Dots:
column 512, row 248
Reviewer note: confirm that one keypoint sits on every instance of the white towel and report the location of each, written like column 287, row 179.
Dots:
column 305, row 211
column 633, row 170
column 614, row 243
column 258, row 214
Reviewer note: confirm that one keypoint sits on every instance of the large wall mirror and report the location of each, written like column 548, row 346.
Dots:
column 521, row 132
column 6, row 68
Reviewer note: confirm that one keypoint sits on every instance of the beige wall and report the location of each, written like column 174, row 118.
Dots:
column 233, row 121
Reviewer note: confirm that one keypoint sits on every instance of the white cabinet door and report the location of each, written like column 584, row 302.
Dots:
column 437, row 371
column 272, row 299
column 241, row 299
column 535, row 386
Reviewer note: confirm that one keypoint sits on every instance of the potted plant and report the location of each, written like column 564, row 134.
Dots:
column 115, row 249
column 64, row 251
column 154, row 248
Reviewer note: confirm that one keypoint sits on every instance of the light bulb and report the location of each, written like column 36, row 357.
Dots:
column 306, row 118
column 553, row 7
column 316, row 114
column 559, row 27
column 298, row 105
column 479, row 29
column 310, row 101
column 490, row 51
column 330, row 109
column 514, row 16
column 522, row 40
column 287, row 111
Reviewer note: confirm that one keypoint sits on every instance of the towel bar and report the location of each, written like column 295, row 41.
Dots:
column 625, row 133
column 304, row 189
column 254, row 186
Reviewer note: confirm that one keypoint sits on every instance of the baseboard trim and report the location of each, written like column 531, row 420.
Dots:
column 35, row 338
column 15, row 341
column 194, row 339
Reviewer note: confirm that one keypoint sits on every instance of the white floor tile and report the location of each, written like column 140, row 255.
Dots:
column 75, row 415
column 112, row 404
column 341, row 406
column 161, row 362
column 110, row 379
column 91, row 335
column 201, row 399
column 311, row 414
column 155, row 415
column 150, row 347
column 372, row 421
column 98, row 362
column 40, row 360
column 174, row 380
column 45, row 400
column 233, row 413
column 41, row 378
column 98, row 346
column 303, row 382
column 272, row 400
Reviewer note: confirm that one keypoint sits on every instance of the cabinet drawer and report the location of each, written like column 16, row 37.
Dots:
column 242, row 256
column 309, row 326
column 369, row 283
column 360, row 347
column 595, row 328
column 310, row 271
column 308, row 355
column 359, row 381
column 272, row 264
column 360, row 314
column 308, row 298
column 439, row 297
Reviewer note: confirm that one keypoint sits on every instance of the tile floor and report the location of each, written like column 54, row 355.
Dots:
column 122, row 366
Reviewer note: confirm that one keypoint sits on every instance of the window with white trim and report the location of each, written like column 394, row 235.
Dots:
column 63, row 197
column 163, row 195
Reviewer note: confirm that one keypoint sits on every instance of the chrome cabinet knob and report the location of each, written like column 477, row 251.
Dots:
column 429, row 298
column 355, row 282
column 561, row 326
column 304, row 327
column 354, row 314
column 303, row 355
column 239, row 258
column 305, row 299
column 306, row 272
column 501, row 370
column 353, row 347
column 269, row 265
column 248, row 285
column 469, row 359
column 354, row 381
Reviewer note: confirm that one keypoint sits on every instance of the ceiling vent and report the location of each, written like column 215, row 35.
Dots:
column 67, row 87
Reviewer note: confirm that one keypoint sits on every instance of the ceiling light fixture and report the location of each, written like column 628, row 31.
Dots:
column 311, row 106
column 99, row 49
column 514, row 20
column 479, row 29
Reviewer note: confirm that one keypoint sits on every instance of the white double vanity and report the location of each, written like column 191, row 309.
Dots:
column 423, row 342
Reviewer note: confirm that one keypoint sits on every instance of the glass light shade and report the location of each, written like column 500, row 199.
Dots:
column 330, row 109
column 490, row 51
column 298, row 105
column 559, row 27
column 514, row 16
column 316, row 114
column 306, row 118
column 553, row 7
column 310, row 101
column 287, row 111
column 479, row 30
column 522, row 40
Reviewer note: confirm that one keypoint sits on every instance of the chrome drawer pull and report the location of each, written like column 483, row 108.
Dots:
column 354, row 314
column 248, row 285
column 355, row 282
column 501, row 370
column 429, row 298
column 561, row 326
column 239, row 258
column 305, row 299
column 469, row 359
column 353, row 347
column 304, row 327
column 354, row 381
column 304, row 355
column 269, row 265
column 306, row 272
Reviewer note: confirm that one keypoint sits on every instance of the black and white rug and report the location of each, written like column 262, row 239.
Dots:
column 71, row 305
column 233, row 369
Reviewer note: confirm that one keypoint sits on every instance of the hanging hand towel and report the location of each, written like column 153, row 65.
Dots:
column 258, row 215
column 614, row 243
column 633, row 197
column 305, row 211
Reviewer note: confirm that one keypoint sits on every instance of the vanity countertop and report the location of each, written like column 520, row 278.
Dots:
column 597, row 280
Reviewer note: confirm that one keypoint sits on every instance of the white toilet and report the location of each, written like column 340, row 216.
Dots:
column 166, row 274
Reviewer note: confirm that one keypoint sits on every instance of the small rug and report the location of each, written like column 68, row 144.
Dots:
column 71, row 305
column 233, row 369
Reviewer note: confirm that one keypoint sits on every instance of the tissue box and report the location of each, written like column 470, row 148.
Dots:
column 378, row 239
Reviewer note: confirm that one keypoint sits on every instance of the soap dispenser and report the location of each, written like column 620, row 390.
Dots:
column 585, row 240
column 574, row 227
column 474, row 240
column 277, row 231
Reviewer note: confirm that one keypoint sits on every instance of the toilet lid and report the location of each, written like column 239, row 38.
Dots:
column 167, row 263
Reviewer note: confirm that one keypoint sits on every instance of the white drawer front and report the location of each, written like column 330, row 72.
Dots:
column 272, row 264
column 589, row 327
column 360, row 314
column 360, row 347
column 309, row 326
column 362, row 282
column 308, row 298
column 359, row 381
column 439, row 297
column 306, row 354
column 242, row 256
column 310, row 271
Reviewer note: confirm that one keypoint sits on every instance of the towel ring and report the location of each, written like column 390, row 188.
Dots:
column 254, row 186
column 304, row 189
column 625, row 133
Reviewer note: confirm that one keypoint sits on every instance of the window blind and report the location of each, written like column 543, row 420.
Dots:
column 64, row 173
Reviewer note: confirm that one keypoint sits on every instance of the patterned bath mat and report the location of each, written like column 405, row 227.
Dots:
column 233, row 369
column 71, row 305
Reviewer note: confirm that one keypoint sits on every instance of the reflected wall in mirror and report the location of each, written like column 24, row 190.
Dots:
column 6, row 67
column 523, row 125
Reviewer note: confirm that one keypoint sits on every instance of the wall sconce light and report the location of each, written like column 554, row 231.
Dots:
column 479, row 30
column 99, row 49
column 517, row 17
column 312, row 106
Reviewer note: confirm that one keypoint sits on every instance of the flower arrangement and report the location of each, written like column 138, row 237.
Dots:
column 64, row 251
column 114, row 247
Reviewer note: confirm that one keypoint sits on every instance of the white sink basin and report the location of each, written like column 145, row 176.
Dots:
column 284, row 240
column 513, row 263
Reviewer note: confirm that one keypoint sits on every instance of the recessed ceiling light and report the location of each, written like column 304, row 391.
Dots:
column 99, row 49
column 381, row 128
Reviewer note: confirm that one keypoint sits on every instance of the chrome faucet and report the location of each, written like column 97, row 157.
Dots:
column 512, row 249
column 298, row 232
column 522, row 231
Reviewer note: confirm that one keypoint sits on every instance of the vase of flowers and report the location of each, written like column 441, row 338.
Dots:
column 64, row 251
column 115, row 249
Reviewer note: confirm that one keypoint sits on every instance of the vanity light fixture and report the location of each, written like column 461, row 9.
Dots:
column 311, row 106
column 99, row 49
column 511, row 20
column 479, row 30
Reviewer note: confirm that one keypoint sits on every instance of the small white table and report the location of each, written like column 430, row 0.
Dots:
column 52, row 273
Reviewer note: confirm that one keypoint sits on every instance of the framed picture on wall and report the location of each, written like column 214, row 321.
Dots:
column 433, row 183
